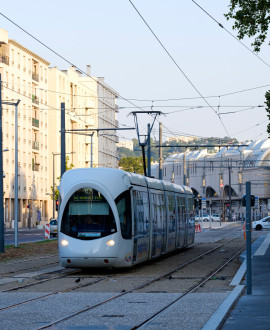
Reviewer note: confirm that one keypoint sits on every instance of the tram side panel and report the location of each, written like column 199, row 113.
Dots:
column 181, row 212
column 191, row 220
column 140, row 224
column 171, row 220
column 157, row 215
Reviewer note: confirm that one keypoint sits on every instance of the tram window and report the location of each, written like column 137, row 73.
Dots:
column 123, row 205
column 88, row 215
column 141, row 212
column 171, row 206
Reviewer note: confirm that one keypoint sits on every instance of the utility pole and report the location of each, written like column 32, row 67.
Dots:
column 184, row 169
column 16, row 176
column 146, row 137
column 230, row 190
column 91, row 150
column 248, row 237
column 148, row 151
column 160, row 152
column 2, row 228
column 63, row 139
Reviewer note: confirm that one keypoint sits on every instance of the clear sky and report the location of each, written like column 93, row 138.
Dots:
column 111, row 37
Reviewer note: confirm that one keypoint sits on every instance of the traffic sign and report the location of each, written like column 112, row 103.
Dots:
column 204, row 203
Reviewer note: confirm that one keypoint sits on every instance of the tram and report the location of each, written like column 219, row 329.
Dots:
column 112, row 218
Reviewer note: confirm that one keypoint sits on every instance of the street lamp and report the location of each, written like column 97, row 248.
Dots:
column 57, row 154
column 16, row 168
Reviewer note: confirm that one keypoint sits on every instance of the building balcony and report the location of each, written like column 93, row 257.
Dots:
column 35, row 122
column 35, row 145
column 35, row 77
column 35, row 99
column 4, row 59
column 35, row 168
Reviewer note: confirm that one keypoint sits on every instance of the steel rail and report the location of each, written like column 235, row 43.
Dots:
column 139, row 286
column 190, row 290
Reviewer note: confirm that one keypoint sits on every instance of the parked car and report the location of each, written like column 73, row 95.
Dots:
column 215, row 217
column 204, row 217
column 53, row 227
column 261, row 224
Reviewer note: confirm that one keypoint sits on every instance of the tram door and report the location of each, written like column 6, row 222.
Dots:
column 141, row 225
column 181, row 212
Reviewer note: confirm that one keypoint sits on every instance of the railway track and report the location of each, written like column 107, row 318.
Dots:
column 27, row 265
column 138, row 287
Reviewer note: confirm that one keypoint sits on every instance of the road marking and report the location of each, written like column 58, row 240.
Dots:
column 263, row 247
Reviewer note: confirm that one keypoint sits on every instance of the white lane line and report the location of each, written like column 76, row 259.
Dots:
column 263, row 247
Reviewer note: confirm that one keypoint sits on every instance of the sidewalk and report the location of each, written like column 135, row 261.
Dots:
column 217, row 224
column 250, row 311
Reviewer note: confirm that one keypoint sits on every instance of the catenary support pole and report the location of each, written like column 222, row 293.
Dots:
column 248, row 237
column 230, row 191
column 148, row 151
column 91, row 155
column 2, row 229
column 16, row 178
column 53, row 189
column 63, row 139
column 143, row 154
column 160, row 152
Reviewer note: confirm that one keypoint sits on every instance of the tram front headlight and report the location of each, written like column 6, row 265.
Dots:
column 64, row 242
column 111, row 242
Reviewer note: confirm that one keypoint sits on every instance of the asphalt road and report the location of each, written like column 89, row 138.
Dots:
column 24, row 235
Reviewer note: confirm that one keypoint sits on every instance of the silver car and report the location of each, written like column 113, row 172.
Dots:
column 215, row 217
column 53, row 227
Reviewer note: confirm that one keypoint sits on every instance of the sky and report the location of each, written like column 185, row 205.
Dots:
column 119, row 46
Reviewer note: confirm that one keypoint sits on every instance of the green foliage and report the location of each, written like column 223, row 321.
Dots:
column 125, row 152
column 267, row 97
column 132, row 164
column 56, row 191
column 251, row 19
column 167, row 151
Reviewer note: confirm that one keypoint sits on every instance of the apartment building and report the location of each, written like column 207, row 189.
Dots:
column 25, row 77
column 104, row 119
column 81, row 104
column 89, row 105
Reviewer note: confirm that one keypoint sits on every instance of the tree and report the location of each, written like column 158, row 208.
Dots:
column 132, row 164
column 252, row 19
column 267, row 97
column 56, row 191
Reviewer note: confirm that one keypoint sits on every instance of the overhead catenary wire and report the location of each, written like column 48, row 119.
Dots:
column 179, row 68
column 219, row 24
column 124, row 99
column 146, row 100
column 63, row 58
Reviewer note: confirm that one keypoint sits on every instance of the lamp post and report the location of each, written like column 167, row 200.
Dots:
column 16, row 198
column 53, row 194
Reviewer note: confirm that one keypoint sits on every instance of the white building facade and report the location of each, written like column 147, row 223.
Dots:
column 89, row 104
column 25, row 78
column 221, row 178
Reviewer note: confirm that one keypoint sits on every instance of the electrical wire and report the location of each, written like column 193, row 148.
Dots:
column 179, row 68
column 64, row 59
column 219, row 24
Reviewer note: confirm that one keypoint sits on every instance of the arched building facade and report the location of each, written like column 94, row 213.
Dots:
column 221, row 177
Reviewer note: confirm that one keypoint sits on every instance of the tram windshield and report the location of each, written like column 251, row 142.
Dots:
column 88, row 216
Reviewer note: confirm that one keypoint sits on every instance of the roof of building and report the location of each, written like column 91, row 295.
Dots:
column 254, row 152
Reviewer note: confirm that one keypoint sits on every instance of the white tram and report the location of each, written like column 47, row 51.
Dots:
column 112, row 218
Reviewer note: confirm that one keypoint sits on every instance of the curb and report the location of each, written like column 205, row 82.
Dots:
column 217, row 319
